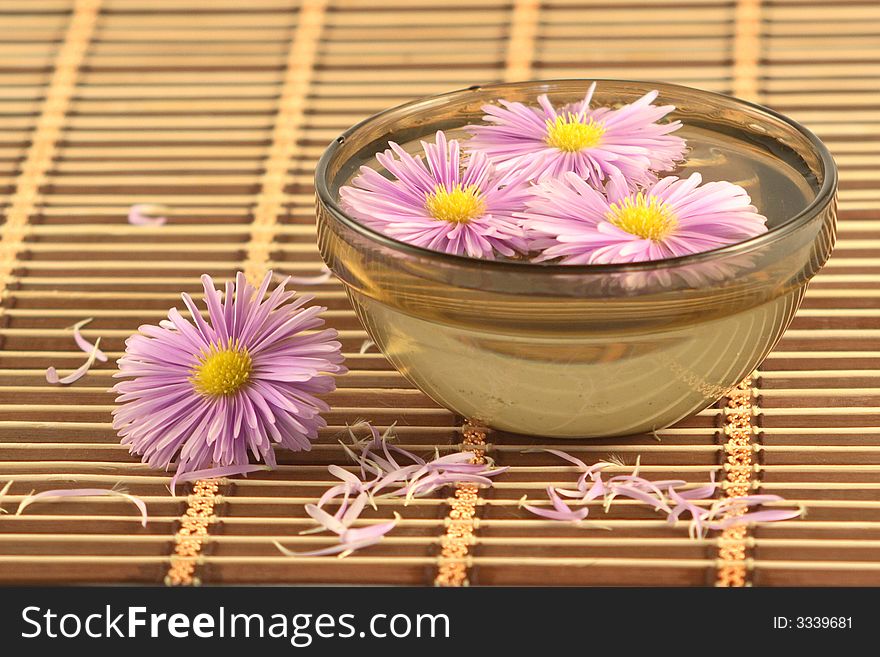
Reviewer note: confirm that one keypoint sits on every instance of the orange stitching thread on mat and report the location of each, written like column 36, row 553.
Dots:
column 746, row 48
column 199, row 515
column 285, row 135
column 739, row 465
column 461, row 522
column 192, row 533
column 523, row 30
column 44, row 140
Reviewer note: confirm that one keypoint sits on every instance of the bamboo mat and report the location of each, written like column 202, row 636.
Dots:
column 219, row 113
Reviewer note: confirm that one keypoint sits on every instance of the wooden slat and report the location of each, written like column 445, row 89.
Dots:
column 219, row 110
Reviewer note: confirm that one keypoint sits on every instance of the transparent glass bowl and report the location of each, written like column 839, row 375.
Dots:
column 588, row 351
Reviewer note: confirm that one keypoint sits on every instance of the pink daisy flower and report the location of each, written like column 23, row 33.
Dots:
column 441, row 202
column 594, row 144
column 208, row 392
column 672, row 218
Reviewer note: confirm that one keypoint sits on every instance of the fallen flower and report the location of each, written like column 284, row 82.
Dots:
column 52, row 374
column 210, row 392
column 54, row 495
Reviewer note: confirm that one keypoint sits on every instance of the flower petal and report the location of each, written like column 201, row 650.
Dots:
column 54, row 495
column 80, row 372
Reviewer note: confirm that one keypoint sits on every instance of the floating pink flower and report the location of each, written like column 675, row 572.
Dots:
column 205, row 393
column 674, row 217
column 442, row 202
column 594, row 144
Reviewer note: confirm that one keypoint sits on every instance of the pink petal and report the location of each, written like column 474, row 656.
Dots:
column 339, row 549
column 76, row 375
column 213, row 473
column 323, row 277
column 769, row 515
column 636, row 494
column 324, row 519
column 350, row 540
column 562, row 516
column 371, row 532
column 84, row 344
column 51, row 495
column 139, row 215
column 354, row 511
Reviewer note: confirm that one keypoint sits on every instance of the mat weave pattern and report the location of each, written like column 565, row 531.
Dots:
column 218, row 110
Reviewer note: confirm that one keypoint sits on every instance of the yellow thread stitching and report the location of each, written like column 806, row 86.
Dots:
column 192, row 534
column 286, row 134
column 461, row 522
column 739, row 466
column 44, row 141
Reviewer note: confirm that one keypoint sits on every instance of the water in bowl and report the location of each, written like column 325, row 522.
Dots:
column 584, row 377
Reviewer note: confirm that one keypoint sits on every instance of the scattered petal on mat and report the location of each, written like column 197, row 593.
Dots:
column 350, row 540
column 660, row 495
column 3, row 492
column 354, row 539
column 385, row 470
column 560, row 510
column 366, row 345
column 632, row 492
column 146, row 214
column 701, row 492
column 213, row 473
column 84, row 344
column 52, row 374
column 345, row 548
column 344, row 475
column 328, row 522
column 682, row 504
column 770, row 515
column 563, row 455
column 333, row 492
column 325, row 276
column 54, row 495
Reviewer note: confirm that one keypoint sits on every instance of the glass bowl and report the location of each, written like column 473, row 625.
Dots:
column 595, row 350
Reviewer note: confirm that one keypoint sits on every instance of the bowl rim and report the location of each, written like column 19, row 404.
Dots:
column 823, row 197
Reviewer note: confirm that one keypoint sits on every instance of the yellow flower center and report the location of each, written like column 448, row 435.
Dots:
column 222, row 370
column 573, row 133
column 648, row 217
column 458, row 205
